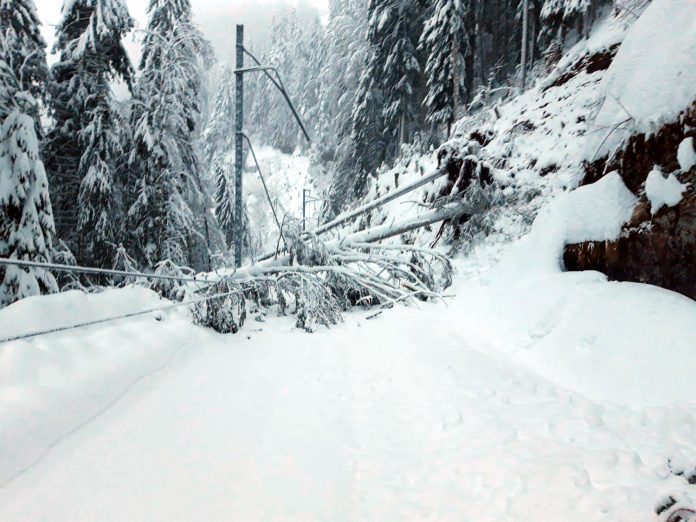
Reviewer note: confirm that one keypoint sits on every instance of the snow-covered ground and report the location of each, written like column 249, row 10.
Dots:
column 529, row 394
column 561, row 398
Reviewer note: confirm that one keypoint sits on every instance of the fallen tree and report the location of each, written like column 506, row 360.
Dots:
column 317, row 281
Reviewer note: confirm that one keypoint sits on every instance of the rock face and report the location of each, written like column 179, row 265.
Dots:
column 658, row 249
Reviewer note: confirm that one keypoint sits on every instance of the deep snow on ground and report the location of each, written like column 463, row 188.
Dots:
column 531, row 394
column 439, row 413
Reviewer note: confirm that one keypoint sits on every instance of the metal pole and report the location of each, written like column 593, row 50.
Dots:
column 239, row 151
column 304, row 210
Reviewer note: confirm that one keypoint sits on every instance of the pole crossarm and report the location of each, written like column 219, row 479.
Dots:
column 278, row 84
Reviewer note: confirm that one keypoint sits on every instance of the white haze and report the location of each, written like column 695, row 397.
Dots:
column 217, row 19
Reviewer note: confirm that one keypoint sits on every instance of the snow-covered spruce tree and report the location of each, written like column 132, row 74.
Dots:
column 445, row 41
column 558, row 17
column 401, row 27
column 26, row 227
column 340, row 75
column 168, row 216
column 219, row 143
column 368, row 141
column 290, row 55
column 100, row 216
column 89, row 40
column 309, row 80
column 24, row 49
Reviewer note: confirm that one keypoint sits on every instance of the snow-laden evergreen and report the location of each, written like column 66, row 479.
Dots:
column 401, row 23
column 91, row 54
column 24, row 49
column 219, row 143
column 100, row 217
column 26, row 224
column 444, row 38
column 559, row 16
column 168, row 216
column 26, row 216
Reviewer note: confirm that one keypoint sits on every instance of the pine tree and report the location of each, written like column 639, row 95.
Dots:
column 100, row 219
column 558, row 17
column 167, row 124
column 24, row 49
column 89, row 40
column 368, row 141
column 219, row 139
column 340, row 75
column 445, row 42
column 399, row 22
column 26, row 227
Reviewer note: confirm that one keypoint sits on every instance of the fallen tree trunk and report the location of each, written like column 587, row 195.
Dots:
column 382, row 232
column 387, row 198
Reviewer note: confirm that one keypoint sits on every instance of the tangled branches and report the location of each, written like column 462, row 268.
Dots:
column 319, row 281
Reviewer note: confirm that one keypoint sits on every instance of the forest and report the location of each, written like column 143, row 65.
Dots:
column 144, row 183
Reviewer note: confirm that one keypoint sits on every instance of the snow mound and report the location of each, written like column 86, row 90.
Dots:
column 53, row 384
column 595, row 212
column 622, row 342
column 686, row 154
column 653, row 77
column 663, row 191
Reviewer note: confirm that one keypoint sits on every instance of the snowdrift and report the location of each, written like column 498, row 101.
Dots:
column 52, row 385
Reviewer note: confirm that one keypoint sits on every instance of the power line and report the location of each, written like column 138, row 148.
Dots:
column 116, row 318
column 96, row 271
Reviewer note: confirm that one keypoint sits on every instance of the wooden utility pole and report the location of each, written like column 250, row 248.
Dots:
column 239, row 151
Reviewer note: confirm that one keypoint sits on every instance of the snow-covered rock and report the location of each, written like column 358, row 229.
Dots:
column 663, row 191
column 652, row 78
column 686, row 154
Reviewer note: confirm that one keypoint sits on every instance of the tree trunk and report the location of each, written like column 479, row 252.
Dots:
column 525, row 38
column 456, row 95
column 403, row 138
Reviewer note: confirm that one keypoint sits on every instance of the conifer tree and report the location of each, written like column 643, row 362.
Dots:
column 26, row 227
column 24, row 49
column 399, row 22
column 167, row 125
column 558, row 17
column 100, row 219
column 89, row 41
column 219, row 140
column 444, row 39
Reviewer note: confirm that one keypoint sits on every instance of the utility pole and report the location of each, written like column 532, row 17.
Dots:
column 304, row 209
column 276, row 80
column 239, row 150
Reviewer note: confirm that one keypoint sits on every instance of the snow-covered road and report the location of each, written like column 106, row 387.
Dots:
column 404, row 418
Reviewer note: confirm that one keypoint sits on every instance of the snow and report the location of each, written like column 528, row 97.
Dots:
column 663, row 191
column 686, row 154
column 653, row 77
column 426, row 413
column 51, row 385
column 531, row 394
column 286, row 175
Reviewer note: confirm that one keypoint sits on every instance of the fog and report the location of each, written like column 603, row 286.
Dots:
column 217, row 19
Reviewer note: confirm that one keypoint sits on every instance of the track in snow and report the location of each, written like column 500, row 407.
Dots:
column 397, row 419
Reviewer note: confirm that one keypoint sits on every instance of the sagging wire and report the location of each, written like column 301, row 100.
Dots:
column 98, row 271
column 116, row 318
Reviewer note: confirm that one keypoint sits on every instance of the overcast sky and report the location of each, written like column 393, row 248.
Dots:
column 217, row 18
